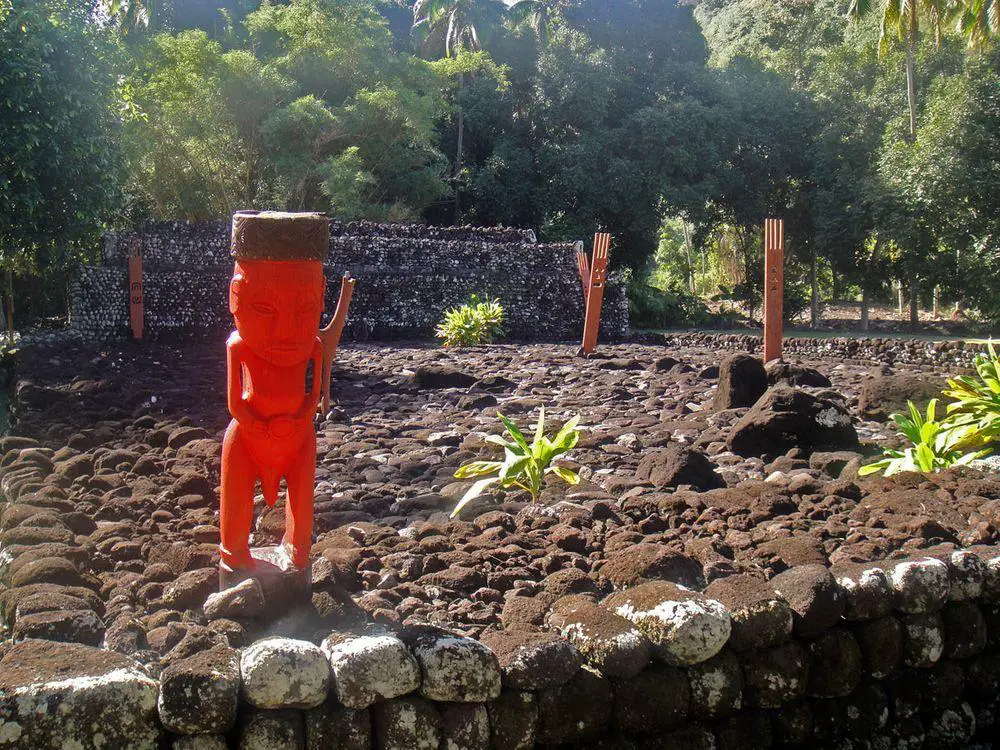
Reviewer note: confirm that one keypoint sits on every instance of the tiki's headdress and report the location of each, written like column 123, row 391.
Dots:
column 280, row 235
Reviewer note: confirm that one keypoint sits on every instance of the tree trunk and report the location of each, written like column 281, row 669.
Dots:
column 690, row 261
column 10, row 304
column 458, row 151
column 814, row 292
column 865, row 303
column 936, row 307
column 900, row 296
column 914, row 307
column 911, row 74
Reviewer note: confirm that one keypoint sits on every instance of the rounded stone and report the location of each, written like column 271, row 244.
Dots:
column 968, row 574
column 923, row 639
column 817, row 602
column 579, row 710
column 200, row 742
column 464, row 726
column 409, row 723
column 335, row 726
column 655, row 700
column 760, row 618
column 284, row 673
column 272, row 730
column 920, row 585
column 513, row 720
column 964, row 629
column 454, row 668
column 199, row 695
column 370, row 668
column 867, row 592
column 881, row 644
column 608, row 642
column 533, row 661
column 835, row 664
column 684, row 627
column 774, row 676
column 716, row 687
column 865, row 711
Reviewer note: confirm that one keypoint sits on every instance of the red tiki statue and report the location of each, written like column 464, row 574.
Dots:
column 276, row 298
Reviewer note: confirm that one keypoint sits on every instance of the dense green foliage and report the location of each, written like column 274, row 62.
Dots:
column 969, row 430
column 525, row 465
column 677, row 126
column 472, row 323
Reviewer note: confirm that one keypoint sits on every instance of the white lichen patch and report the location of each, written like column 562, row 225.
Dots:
column 457, row 669
column 968, row 575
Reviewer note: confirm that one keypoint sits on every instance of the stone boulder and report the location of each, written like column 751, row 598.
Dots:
column 883, row 395
column 409, row 723
column 789, row 373
column 676, row 465
column 651, row 562
column 442, row 376
column 370, row 668
column 199, row 695
column 817, row 602
column 609, row 643
column 786, row 418
column 684, row 627
column 742, row 380
column 760, row 617
column 70, row 695
column 455, row 668
column 284, row 673
column 533, row 660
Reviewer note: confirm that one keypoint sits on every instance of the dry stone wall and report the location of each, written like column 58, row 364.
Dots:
column 407, row 276
column 890, row 351
column 902, row 654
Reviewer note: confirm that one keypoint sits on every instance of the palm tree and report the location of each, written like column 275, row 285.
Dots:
column 128, row 14
column 978, row 20
column 538, row 14
column 455, row 25
column 901, row 18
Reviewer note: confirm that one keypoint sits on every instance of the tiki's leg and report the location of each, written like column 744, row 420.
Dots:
column 300, row 479
column 239, row 475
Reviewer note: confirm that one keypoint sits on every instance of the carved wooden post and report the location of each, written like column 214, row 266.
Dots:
column 135, row 286
column 774, row 278
column 583, row 269
column 330, row 336
column 595, row 291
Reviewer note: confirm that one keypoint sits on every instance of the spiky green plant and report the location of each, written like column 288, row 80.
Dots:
column 933, row 445
column 976, row 398
column 525, row 465
column 475, row 322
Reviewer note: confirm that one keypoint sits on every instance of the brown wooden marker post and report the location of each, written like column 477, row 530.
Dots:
column 774, row 280
column 583, row 269
column 595, row 292
column 330, row 336
column 135, row 287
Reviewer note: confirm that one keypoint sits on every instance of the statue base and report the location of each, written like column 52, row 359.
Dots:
column 284, row 584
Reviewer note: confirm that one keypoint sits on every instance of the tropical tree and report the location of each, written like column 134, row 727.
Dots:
column 59, row 128
column 978, row 21
column 901, row 19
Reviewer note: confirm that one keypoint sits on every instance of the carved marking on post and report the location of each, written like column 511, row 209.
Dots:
column 595, row 291
column 582, row 268
column 774, row 279
column 135, row 287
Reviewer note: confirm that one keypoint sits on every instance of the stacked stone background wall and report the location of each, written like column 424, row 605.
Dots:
column 890, row 351
column 407, row 276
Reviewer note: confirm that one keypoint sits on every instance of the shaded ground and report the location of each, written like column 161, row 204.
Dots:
column 125, row 486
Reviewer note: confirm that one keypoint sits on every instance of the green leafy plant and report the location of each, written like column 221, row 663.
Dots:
column 977, row 398
column 475, row 322
column 524, row 465
column 934, row 445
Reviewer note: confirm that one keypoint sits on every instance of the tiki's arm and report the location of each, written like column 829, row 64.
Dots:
column 312, row 398
column 238, row 408
column 330, row 336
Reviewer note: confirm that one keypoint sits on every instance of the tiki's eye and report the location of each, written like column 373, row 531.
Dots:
column 264, row 308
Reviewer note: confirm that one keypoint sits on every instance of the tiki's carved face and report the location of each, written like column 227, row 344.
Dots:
column 277, row 306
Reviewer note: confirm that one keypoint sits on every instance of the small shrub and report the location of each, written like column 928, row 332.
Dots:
column 475, row 322
column 525, row 465
column 977, row 398
column 933, row 445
